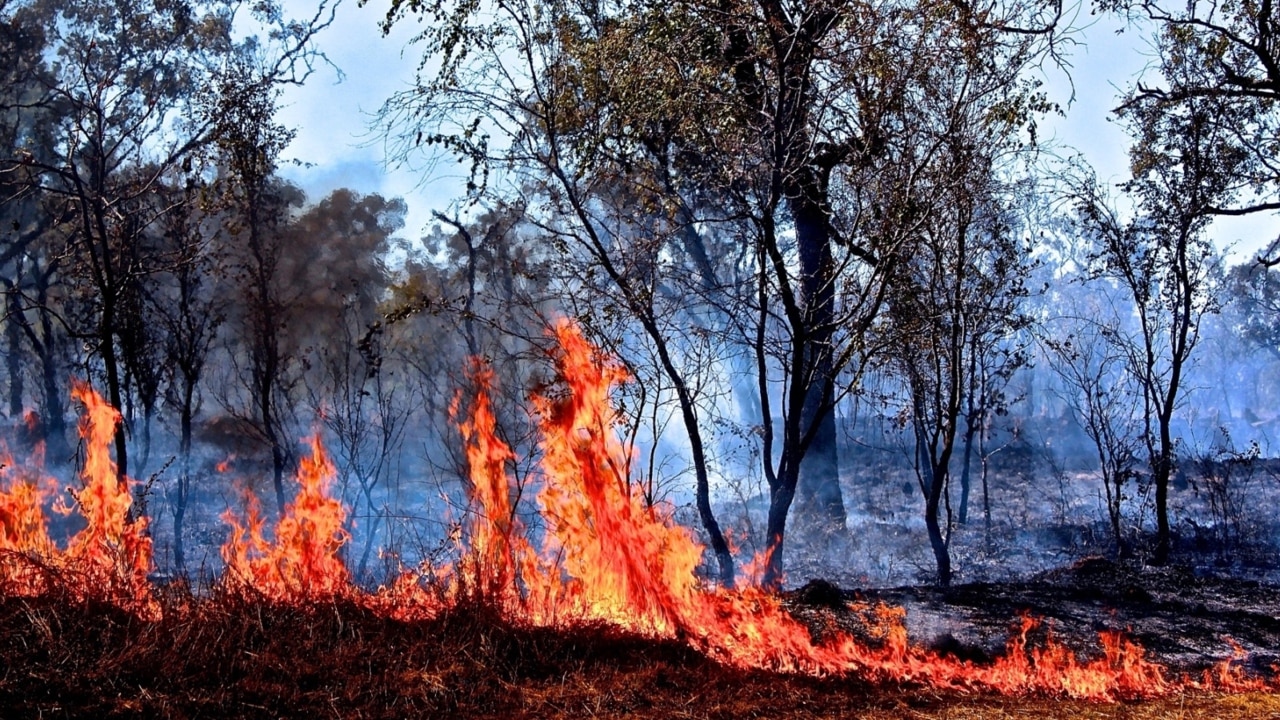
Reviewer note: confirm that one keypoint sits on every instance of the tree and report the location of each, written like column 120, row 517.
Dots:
column 267, row 357
column 30, row 223
column 591, row 104
column 1220, row 63
column 544, row 121
column 956, row 300
column 189, row 312
column 336, row 261
column 1253, row 291
column 1185, row 164
column 121, row 96
column 1100, row 393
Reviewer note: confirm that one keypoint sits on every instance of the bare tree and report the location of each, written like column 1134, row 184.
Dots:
column 1103, row 397
column 1184, row 167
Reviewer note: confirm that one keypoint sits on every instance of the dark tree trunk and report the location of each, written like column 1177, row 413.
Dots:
column 934, row 476
column 1160, row 476
column 821, row 503
column 781, row 494
column 965, row 471
column 941, row 553
column 55, row 421
column 184, row 476
column 115, row 394
column 13, row 338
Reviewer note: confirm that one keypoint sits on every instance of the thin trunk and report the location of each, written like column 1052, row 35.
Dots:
column 986, row 495
column 144, row 458
column 278, row 463
column 1161, row 472
column 184, row 475
column 13, row 337
column 55, row 422
column 970, row 431
column 114, row 390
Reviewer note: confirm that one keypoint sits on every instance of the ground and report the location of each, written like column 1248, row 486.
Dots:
column 217, row 656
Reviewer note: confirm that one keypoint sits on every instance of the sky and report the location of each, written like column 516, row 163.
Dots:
column 332, row 116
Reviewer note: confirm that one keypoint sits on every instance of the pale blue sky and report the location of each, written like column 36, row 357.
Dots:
column 332, row 117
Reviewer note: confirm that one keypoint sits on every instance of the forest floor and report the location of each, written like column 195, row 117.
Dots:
column 1184, row 620
column 215, row 656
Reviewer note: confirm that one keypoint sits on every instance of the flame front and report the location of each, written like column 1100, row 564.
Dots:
column 607, row 555
column 610, row 556
column 301, row 563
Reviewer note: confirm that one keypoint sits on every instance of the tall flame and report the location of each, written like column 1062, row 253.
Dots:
column 609, row 555
column 110, row 558
column 301, row 562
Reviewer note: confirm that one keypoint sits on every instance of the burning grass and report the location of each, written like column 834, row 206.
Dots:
column 607, row 618
column 224, row 655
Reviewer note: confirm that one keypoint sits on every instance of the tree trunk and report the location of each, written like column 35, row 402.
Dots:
column 969, row 431
column 1161, row 472
column 941, row 553
column 278, row 462
column 13, row 337
column 184, row 476
column 55, row 421
column 780, row 496
column 115, row 396
column 821, row 502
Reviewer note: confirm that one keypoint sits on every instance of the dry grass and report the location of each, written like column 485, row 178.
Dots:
column 220, row 656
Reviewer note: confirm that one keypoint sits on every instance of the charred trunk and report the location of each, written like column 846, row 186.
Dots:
column 970, row 431
column 115, row 394
column 781, row 495
column 937, row 540
column 1160, row 478
column 183, row 491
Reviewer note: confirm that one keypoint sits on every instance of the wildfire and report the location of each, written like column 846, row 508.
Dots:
column 110, row 558
column 606, row 555
column 302, row 562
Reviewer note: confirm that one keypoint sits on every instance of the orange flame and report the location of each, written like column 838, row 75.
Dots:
column 610, row 556
column 302, row 562
column 23, row 533
column 607, row 555
column 110, row 558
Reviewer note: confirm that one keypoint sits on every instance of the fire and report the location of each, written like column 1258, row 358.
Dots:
column 302, row 561
column 108, row 559
column 498, row 555
column 23, row 533
column 609, row 556
column 606, row 555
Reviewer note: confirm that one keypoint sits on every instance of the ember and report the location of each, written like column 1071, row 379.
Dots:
column 607, row 557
